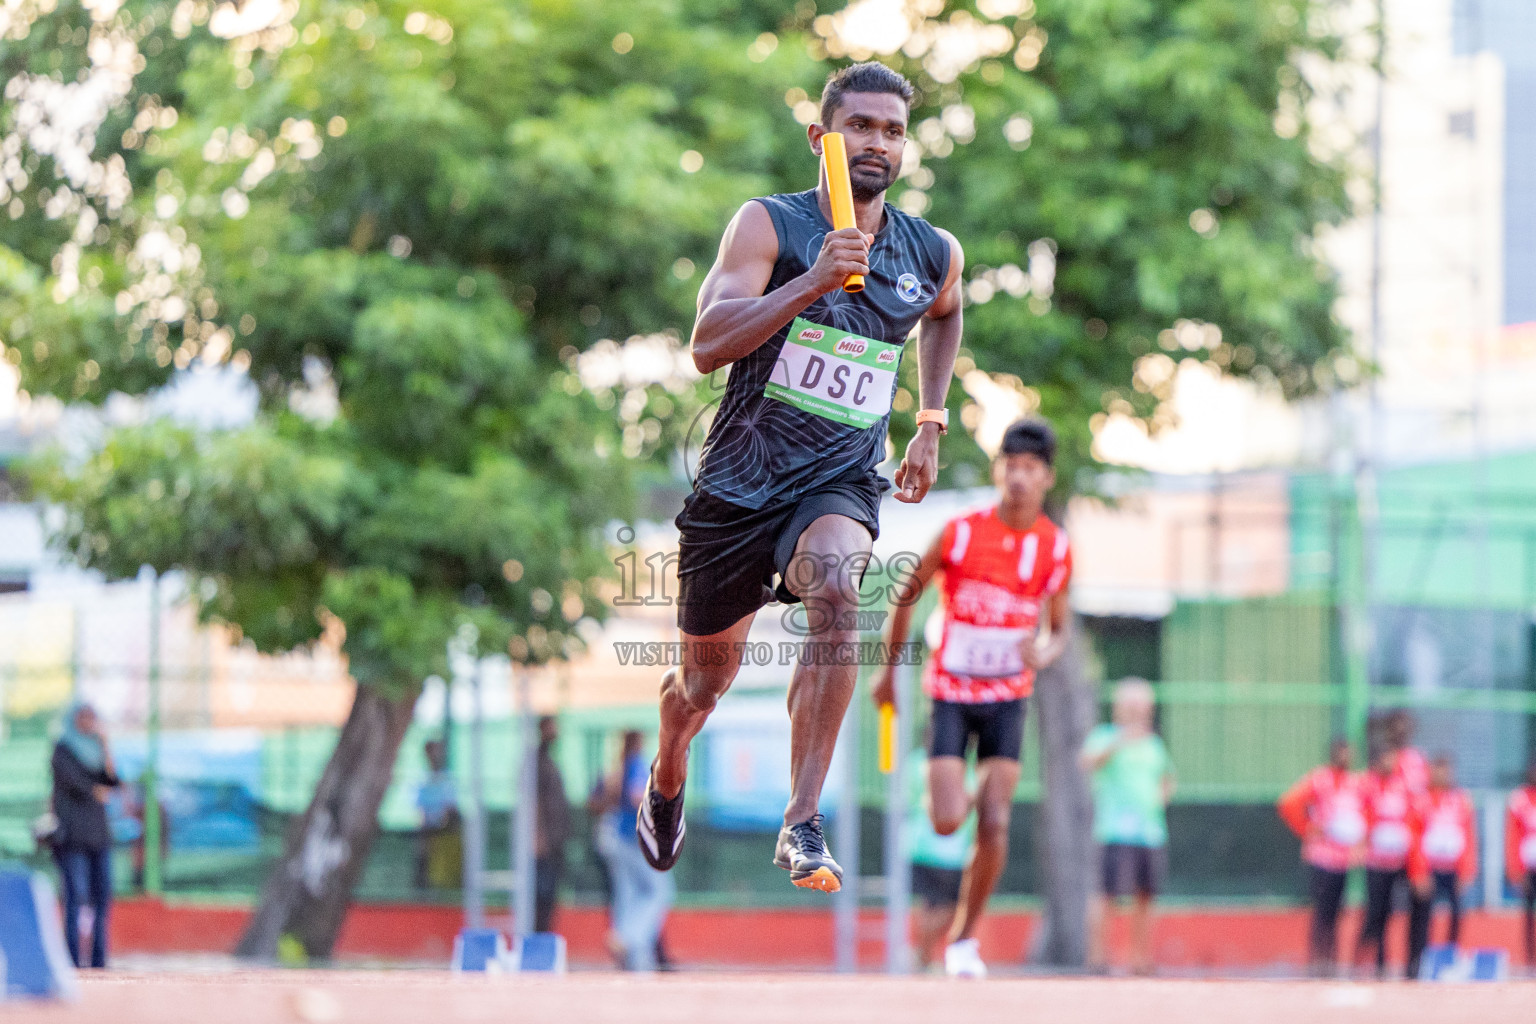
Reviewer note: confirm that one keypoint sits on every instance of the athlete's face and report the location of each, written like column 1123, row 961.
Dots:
column 1440, row 774
column 1022, row 479
column 874, row 127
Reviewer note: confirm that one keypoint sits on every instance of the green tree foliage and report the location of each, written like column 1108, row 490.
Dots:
column 404, row 220
column 1135, row 183
column 427, row 210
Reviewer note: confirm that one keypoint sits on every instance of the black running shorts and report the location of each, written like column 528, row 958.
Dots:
column 936, row 887
column 998, row 728
column 729, row 556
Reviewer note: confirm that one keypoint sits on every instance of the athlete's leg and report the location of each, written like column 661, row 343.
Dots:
column 949, row 802
column 825, row 574
column 688, row 695
column 996, row 780
column 949, row 735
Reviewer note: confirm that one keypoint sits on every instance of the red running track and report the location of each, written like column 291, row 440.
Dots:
column 1207, row 939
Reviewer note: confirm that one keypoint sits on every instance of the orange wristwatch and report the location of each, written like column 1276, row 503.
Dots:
column 939, row 416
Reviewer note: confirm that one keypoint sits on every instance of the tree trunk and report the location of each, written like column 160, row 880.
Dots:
column 1065, row 710
column 310, row 888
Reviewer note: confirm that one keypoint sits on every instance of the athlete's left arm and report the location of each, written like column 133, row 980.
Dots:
column 1060, row 617
column 938, row 342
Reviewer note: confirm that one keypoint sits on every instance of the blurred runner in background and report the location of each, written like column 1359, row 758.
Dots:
column 938, row 862
column 1324, row 809
column 1449, row 846
column 1132, row 784
column 1520, row 854
column 1394, row 828
column 1005, row 568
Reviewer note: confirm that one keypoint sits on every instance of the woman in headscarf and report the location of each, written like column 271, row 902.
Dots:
column 83, row 780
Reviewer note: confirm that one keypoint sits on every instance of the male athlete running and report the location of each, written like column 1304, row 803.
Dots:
column 787, row 483
column 1000, row 565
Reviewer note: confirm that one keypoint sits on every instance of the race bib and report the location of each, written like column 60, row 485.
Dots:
column 1390, row 838
column 983, row 650
column 1444, row 841
column 1528, row 852
column 835, row 375
column 1346, row 827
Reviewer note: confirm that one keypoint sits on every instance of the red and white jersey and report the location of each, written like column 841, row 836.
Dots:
column 1413, row 769
column 1327, row 811
column 1450, row 836
column 1520, row 833
column 1394, row 824
column 996, row 579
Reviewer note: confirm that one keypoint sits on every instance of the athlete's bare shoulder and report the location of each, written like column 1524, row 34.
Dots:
column 948, row 300
column 748, row 251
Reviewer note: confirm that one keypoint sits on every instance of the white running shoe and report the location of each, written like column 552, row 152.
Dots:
column 963, row 959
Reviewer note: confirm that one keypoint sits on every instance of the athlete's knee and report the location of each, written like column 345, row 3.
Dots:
column 702, row 688
column 947, row 824
column 992, row 822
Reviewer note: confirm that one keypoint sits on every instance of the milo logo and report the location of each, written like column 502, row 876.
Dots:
column 812, row 334
column 849, row 346
column 888, row 356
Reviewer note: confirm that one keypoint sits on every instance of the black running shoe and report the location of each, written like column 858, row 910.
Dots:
column 659, row 826
column 802, row 851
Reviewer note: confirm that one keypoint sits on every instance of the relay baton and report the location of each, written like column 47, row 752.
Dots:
column 887, row 738
column 834, row 156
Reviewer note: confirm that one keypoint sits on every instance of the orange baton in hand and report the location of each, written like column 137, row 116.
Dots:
column 834, row 155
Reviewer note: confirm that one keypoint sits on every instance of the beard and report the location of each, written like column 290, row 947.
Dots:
column 869, row 177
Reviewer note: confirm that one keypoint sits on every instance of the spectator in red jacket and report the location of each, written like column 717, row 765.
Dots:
column 1520, row 854
column 1324, row 809
column 1449, row 844
column 1394, row 826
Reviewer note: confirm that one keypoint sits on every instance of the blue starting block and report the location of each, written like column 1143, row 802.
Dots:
column 33, row 961
column 1447, row 963
column 485, row 950
column 540, row 951
column 480, row 950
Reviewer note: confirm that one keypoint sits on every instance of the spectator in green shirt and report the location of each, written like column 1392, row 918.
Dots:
column 1132, row 784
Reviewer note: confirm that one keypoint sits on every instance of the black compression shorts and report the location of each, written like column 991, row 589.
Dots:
column 998, row 728
column 728, row 555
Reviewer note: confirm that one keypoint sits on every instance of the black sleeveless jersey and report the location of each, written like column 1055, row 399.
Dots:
column 762, row 451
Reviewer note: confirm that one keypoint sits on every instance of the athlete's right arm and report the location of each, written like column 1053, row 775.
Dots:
column 735, row 317
column 902, row 602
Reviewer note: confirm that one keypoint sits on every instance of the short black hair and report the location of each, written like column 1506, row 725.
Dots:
column 870, row 76
column 1030, row 437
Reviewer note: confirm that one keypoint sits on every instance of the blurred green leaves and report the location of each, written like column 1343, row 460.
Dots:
column 406, row 219
column 403, row 219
